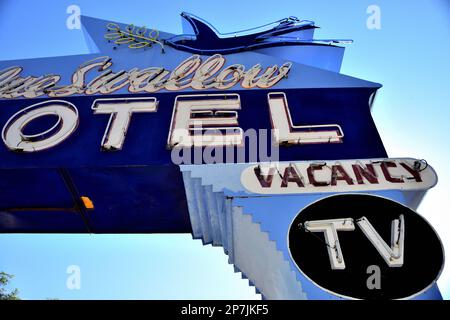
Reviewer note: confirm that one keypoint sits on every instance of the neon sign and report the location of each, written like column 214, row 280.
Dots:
column 192, row 73
column 191, row 113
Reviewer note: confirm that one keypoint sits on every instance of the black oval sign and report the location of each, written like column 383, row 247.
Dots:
column 365, row 247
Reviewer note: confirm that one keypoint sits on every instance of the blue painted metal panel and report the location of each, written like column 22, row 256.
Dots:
column 37, row 201
column 140, row 211
column 142, row 199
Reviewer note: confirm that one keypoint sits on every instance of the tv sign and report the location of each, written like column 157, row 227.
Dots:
column 365, row 247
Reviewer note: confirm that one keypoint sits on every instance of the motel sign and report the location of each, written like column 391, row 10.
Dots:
column 254, row 142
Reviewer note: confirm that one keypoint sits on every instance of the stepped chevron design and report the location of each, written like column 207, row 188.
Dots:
column 217, row 221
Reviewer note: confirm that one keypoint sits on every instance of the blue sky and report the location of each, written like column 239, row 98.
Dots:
column 408, row 55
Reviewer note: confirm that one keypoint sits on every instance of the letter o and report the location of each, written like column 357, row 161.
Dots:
column 67, row 122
